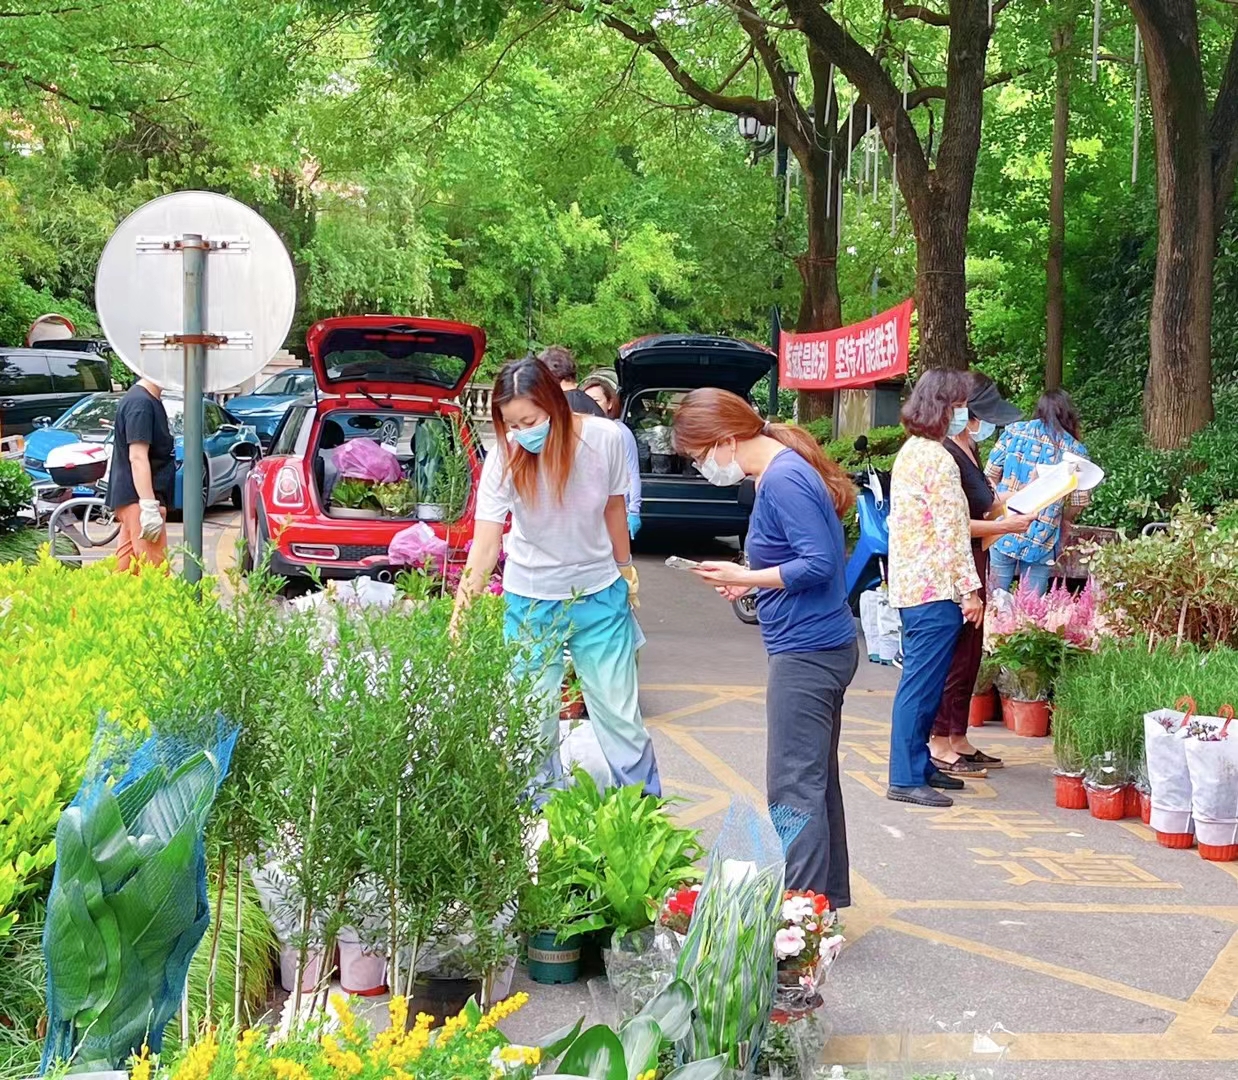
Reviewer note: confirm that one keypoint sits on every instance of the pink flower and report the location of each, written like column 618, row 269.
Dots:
column 789, row 942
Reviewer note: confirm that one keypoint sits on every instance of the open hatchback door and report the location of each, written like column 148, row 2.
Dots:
column 394, row 356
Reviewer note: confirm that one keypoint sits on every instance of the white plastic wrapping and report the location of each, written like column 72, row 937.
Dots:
column 1168, row 775
column 578, row 745
column 869, row 602
column 1212, row 761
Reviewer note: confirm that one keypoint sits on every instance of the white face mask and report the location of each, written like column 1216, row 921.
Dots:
column 721, row 475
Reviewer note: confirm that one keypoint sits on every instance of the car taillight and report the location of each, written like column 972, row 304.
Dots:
column 289, row 492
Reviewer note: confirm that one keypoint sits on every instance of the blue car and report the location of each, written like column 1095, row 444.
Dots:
column 265, row 407
column 93, row 418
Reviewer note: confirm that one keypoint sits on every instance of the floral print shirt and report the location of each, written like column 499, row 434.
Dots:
column 930, row 528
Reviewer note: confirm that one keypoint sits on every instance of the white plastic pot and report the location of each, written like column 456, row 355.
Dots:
column 362, row 971
column 1168, row 774
column 1213, row 765
column 288, row 969
column 501, row 981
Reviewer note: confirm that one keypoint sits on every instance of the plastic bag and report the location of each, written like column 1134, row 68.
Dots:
column 639, row 966
column 1212, row 762
column 365, row 459
column 416, row 546
column 868, row 624
column 578, row 745
column 889, row 630
column 1169, row 778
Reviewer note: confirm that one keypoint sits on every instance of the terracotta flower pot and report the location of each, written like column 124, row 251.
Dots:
column 1027, row 718
column 1107, row 803
column 1145, row 807
column 1069, row 792
column 983, row 709
column 1219, row 852
column 1178, row 840
column 1132, row 801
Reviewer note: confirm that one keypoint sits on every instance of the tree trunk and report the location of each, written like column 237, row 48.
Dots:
column 941, row 284
column 1178, row 391
column 820, row 303
column 1055, row 290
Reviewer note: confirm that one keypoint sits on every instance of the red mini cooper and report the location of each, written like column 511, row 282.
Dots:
column 391, row 379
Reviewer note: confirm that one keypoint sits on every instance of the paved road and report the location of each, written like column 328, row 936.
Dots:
column 1080, row 946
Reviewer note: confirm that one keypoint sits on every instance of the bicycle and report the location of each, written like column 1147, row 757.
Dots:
column 75, row 524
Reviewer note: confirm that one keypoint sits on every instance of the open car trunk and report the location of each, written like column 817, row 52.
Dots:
column 436, row 471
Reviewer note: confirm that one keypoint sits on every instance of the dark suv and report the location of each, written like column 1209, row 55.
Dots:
column 38, row 384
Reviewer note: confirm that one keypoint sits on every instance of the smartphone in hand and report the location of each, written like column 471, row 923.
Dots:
column 676, row 563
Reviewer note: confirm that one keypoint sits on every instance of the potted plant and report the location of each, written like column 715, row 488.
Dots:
column 355, row 498
column 1029, row 641
column 544, row 908
column 398, row 499
column 1106, row 783
column 445, row 470
column 984, row 695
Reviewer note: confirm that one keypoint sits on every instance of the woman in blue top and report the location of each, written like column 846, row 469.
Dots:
column 796, row 557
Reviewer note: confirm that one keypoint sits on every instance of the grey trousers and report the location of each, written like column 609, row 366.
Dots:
column 803, row 708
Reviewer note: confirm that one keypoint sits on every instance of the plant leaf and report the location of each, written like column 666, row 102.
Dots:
column 709, row 1069
column 641, row 1039
column 556, row 1042
column 671, row 1008
column 597, row 1054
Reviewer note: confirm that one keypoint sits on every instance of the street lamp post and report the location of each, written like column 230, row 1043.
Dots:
column 764, row 141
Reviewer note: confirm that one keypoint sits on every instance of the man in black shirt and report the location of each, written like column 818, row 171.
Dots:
column 142, row 480
column 562, row 366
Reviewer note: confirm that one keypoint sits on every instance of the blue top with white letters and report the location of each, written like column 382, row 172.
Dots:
column 794, row 526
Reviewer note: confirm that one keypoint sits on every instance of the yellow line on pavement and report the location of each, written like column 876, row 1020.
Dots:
column 951, row 1049
column 1042, row 967
column 1213, row 997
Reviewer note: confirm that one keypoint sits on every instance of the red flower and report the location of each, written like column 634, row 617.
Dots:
column 821, row 904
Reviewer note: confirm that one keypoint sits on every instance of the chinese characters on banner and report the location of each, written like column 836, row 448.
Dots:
column 857, row 355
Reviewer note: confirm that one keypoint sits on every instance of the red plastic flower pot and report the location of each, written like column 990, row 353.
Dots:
column 983, row 709
column 1132, row 801
column 1027, row 718
column 1145, row 807
column 1219, row 852
column 1069, row 792
column 1107, row 803
column 1178, row 840
column 1007, row 712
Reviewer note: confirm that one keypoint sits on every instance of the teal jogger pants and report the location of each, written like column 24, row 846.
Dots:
column 602, row 635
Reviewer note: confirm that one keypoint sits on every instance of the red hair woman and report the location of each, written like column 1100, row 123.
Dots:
column 568, row 579
column 796, row 558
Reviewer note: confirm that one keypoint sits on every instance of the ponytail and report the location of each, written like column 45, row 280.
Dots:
column 837, row 482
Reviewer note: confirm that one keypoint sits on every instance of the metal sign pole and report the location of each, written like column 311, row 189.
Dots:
column 193, row 251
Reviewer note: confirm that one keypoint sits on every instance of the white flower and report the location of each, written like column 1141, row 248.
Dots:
column 797, row 909
column 789, row 942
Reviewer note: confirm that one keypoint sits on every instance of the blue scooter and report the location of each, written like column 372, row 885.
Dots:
column 866, row 568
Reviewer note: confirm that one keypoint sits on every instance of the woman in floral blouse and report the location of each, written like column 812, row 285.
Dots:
column 933, row 579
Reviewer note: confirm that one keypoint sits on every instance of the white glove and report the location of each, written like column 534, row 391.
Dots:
column 150, row 519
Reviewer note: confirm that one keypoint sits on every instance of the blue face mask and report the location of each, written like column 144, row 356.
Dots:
column 985, row 431
column 534, row 438
column 959, row 424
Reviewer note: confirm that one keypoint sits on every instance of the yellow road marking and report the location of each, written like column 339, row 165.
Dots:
column 1213, row 996
column 950, row 1049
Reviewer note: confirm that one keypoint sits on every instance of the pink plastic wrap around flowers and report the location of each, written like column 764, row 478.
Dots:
column 366, row 459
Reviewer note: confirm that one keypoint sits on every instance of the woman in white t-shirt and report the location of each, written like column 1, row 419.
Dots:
column 568, row 579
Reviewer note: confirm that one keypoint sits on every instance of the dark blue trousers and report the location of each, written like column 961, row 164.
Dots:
column 930, row 632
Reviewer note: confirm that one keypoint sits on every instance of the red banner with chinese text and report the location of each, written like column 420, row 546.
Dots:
column 857, row 355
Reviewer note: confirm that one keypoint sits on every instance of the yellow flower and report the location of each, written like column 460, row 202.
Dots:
column 245, row 1048
column 397, row 1009
column 141, row 1065
column 344, row 1062
column 452, row 1027
column 288, row 1070
column 502, row 1011
column 650, row 1075
column 348, row 1022
column 196, row 1064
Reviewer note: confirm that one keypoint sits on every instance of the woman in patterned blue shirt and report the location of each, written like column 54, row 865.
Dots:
column 1022, row 448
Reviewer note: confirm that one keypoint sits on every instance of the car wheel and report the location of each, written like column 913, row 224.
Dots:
column 237, row 498
column 206, row 486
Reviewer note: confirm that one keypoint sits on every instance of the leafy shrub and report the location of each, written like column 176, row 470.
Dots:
column 74, row 643
column 1142, row 484
column 883, row 444
column 1100, row 698
column 16, row 491
column 1181, row 584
